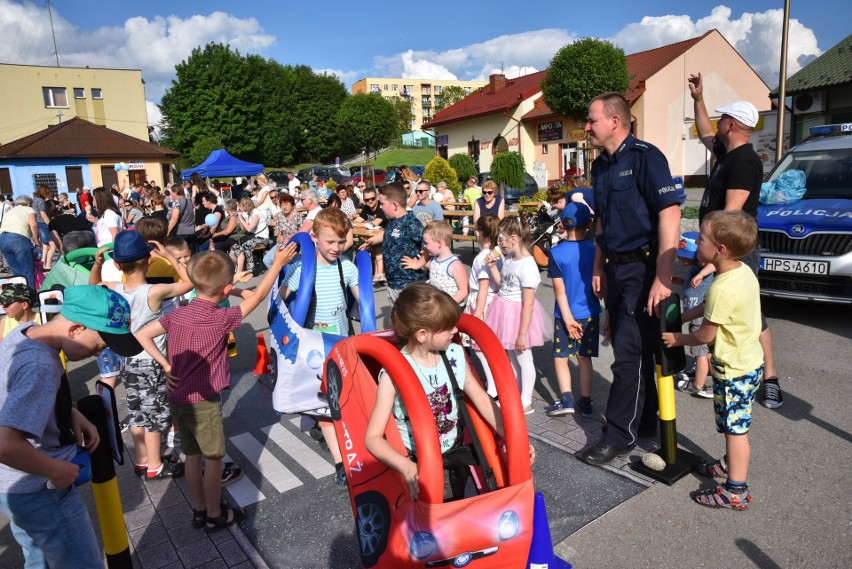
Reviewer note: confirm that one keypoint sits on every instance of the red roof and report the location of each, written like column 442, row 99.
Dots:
column 645, row 64
column 80, row 138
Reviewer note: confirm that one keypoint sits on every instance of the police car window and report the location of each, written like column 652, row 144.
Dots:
column 828, row 173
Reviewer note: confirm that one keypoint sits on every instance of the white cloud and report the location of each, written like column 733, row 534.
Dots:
column 154, row 117
column 415, row 68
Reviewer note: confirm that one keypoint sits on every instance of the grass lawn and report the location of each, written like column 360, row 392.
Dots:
column 410, row 157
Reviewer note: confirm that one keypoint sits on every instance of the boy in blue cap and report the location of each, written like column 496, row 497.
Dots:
column 575, row 319
column 39, row 427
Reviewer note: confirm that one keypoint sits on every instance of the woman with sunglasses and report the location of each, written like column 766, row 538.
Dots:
column 489, row 203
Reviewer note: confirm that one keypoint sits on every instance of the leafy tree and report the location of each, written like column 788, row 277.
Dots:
column 404, row 115
column 202, row 149
column 464, row 166
column 439, row 170
column 367, row 121
column 581, row 71
column 317, row 100
column 449, row 96
column 507, row 170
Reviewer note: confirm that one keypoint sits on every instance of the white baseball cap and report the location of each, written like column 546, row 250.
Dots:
column 742, row 111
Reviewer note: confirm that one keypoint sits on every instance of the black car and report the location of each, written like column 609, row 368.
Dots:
column 279, row 177
column 514, row 195
column 336, row 173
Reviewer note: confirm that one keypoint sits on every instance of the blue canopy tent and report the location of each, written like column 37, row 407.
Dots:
column 220, row 164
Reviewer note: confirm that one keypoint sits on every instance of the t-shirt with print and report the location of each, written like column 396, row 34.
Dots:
column 427, row 213
column 330, row 314
column 479, row 270
column 518, row 274
column 403, row 237
column 733, row 303
column 30, row 373
column 370, row 215
column 439, row 392
column 573, row 262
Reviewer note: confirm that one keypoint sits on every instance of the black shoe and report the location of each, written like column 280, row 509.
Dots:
column 601, row 453
column 340, row 475
column 169, row 470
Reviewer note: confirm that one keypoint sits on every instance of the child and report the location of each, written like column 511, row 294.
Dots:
column 575, row 326
column 143, row 377
column 197, row 370
column 179, row 249
column 481, row 286
column 160, row 270
column 446, row 272
column 693, row 294
column 404, row 235
column 424, row 320
column 17, row 299
column 515, row 315
column 732, row 324
column 331, row 226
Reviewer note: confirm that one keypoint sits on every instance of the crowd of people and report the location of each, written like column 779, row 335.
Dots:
column 179, row 254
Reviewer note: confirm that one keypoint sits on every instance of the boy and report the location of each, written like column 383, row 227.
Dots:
column 694, row 288
column 197, row 370
column 404, row 235
column 333, row 273
column 160, row 270
column 142, row 376
column 446, row 272
column 575, row 314
column 732, row 324
column 17, row 299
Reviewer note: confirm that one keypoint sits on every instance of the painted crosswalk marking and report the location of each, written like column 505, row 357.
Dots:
column 265, row 462
column 307, row 458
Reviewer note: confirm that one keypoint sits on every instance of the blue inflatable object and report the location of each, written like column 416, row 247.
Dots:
column 367, row 304
column 301, row 303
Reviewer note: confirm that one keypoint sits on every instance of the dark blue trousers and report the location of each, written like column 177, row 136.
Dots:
column 632, row 403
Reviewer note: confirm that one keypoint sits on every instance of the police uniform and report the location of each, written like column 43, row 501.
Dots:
column 631, row 187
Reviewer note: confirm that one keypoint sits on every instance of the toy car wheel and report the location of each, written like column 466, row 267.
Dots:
column 334, row 384
column 373, row 525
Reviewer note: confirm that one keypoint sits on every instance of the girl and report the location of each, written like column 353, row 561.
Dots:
column 424, row 320
column 515, row 315
column 480, row 284
column 108, row 223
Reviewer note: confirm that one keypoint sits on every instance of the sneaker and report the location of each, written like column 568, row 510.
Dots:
column 340, row 475
column 772, row 397
column 584, row 406
column 528, row 409
column 169, row 470
column 564, row 406
column 685, row 374
column 171, row 438
column 705, row 392
column 231, row 473
column 685, row 385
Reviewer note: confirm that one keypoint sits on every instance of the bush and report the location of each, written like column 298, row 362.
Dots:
column 507, row 169
column 689, row 212
column 439, row 170
column 331, row 185
column 464, row 167
column 539, row 196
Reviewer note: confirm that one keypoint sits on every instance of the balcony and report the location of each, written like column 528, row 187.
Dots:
column 426, row 104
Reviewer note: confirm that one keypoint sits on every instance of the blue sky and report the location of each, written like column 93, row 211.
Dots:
column 466, row 39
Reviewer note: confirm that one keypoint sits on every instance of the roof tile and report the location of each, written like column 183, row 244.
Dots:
column 832, row 68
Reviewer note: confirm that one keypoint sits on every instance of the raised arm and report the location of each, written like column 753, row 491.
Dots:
column 702, row 119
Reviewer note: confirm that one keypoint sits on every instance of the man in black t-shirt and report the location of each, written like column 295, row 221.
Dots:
column 371, row 212
column 71, row 232
column 734, row 183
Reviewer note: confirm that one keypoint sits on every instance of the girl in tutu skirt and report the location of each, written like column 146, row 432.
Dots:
column 482, row 287
column 515, row 315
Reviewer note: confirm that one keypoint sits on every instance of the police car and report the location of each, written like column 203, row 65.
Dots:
column 807, row 245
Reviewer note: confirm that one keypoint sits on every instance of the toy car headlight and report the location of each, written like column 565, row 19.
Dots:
column 422, row 545
column 508, row 525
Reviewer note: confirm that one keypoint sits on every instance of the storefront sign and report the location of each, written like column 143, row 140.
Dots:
column 550, row 131
column 136, row 165
column 577, row 134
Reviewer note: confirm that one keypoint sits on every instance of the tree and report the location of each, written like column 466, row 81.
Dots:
column 202, row 149
column 439, row 170
column 449, row 96
column 581, row 71
column 507, row 169
column 404, row 115
column 464, row 167
column 367, row 121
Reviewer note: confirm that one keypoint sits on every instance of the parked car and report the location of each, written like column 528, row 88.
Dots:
column 279, row 177
column 807, row 244
column 363, row 172
column 336, row 173
column 513, row 195
column 393, row 172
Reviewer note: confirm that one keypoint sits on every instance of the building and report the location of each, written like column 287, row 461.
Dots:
column 77, row 153
column 822, row 90
column 33, row 97
column 424, row 94
column 512, row 115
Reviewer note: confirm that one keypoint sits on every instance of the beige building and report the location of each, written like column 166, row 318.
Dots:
column 424, row 94
column 34, row 97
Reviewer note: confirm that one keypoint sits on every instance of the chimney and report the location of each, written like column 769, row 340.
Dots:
column 497, row 82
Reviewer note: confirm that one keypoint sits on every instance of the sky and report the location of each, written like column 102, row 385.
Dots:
column 461, row 39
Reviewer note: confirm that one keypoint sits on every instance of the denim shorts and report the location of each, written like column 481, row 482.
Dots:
column 43, row 233
column 109, row 363
column 733, row 400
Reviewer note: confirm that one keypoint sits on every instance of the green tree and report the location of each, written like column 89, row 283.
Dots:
column 202, row 149
column 464, row 166
column 582, row 70
column 449, row 96
column 367, row 122
column 507, row 170
column 317, row 100
column 404, row 115
column 439, row 170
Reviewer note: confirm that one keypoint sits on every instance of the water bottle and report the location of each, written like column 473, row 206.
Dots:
column 461, row 196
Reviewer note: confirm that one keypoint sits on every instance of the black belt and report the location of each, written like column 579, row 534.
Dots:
column 647, row 253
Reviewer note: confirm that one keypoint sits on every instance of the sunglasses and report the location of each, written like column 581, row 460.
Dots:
column 487, row 193
column 421, row 191
column 369, row 199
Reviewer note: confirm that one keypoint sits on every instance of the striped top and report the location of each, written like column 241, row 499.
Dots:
column 330, row 316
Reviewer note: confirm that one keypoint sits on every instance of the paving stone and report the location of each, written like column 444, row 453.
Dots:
column 140, row 517
column 159, row 486
column 175, row 515
column 245, row 565
column 149, row 536
column 231, row 552
column 199, row 553
column 184, row 534
column 129, row 485
column 551, row 436
column 158, row 556
column 171, row 497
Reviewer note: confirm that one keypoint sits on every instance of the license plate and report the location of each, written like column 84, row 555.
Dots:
column 794, row 266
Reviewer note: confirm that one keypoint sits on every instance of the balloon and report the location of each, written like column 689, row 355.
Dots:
column 117, row 166
column 211, row 220
column 125, row 166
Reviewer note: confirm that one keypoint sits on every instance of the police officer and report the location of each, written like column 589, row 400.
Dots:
column 638, row 230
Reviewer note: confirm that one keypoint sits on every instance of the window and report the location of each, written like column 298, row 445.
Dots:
column 79, row 93
column 374, row 88
column 544, row 149
column 55, row 97
column 395, row 87
column 467, row 90
column 97, row 94
column 385, row 86
column 48, row 180
column 438, row 89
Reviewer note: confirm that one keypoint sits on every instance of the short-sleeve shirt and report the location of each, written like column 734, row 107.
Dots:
column 403, row 237
column 631, row 187
column 518, row 274
column 470, row 195
column 105, row 222
column 30, row 373
column 66, row 223
column 330, row 315
column 16, row 220
column 739, row 169
column 427, row 213
column 198, row 349
column 439, row 392
column 370, row 215
column 186, row 216
column 733, row 303
column 479, row 270
column 573, row 262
